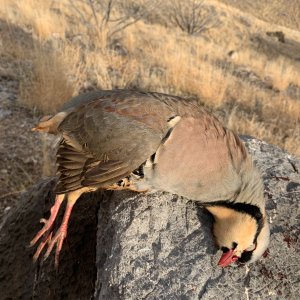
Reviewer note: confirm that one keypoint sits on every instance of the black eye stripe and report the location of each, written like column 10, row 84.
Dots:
column 245, row 257
column 224, row 249
column 246, row 208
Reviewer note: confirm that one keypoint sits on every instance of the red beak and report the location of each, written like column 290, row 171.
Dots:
column 227, row 258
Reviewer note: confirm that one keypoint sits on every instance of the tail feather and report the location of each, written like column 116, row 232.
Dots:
column 50, row 124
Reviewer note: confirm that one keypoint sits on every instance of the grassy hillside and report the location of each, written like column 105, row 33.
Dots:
column 239, row 58
column 280, row 12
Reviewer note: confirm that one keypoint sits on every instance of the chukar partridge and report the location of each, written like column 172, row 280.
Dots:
column 150, row 141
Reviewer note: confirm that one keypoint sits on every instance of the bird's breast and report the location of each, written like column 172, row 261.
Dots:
column 193, row 162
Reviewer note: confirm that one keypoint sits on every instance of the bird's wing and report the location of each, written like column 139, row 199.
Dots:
column 105, row 139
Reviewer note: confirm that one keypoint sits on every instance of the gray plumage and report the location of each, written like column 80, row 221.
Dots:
column 151, row 141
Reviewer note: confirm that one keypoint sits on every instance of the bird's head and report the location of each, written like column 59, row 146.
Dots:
column 241, row 231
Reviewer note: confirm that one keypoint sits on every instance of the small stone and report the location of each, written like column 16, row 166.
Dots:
column 7, row 209
column 293, row 186
column 4, row 113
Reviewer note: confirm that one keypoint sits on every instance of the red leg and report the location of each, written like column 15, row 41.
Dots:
column 61, row 233
column 46, row 240
column 48, row 223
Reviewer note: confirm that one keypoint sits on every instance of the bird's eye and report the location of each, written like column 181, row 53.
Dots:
column 251, row 248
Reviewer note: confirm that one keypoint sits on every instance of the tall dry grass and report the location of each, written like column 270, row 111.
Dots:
column 53, row 77
column 38, row 15
column 281, row 12
column 71, row 53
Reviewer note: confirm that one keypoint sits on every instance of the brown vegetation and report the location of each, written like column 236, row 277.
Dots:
column 280, row 12
column 224, row 58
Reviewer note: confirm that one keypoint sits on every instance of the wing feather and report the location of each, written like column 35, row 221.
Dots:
column 107, row 135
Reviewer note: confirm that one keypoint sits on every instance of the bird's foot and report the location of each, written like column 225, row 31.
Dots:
column 45, row 240
column 57, row 240
column 48, row 224
column 60, row 235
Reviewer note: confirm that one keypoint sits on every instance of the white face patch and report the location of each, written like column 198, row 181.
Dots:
column 263, row 240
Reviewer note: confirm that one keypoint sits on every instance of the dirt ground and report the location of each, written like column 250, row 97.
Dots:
column 20, row 148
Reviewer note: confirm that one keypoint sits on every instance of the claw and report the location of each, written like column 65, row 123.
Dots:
column 41, row 247
column 58, row 239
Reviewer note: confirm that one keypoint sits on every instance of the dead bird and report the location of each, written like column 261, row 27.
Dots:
column 146, row 142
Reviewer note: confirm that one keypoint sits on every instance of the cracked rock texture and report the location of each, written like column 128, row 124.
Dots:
column 160, row 246
column 157, row 246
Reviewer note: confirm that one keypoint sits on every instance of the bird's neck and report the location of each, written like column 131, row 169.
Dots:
column 248, row 199
column 251, row 191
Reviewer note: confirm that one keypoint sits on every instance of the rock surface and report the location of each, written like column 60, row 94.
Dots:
column 75, row 278
column 157, row 246
column 160, row 246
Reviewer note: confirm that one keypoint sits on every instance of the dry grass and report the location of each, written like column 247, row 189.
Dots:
column 36, row 14
column 281, row 12
column 282, row 127
column 280, row 72
column 72, row 52
column 53, row 78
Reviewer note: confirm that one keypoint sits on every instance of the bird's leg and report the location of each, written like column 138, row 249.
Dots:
column 61, row 233
column 46, row 240
column 47, row 225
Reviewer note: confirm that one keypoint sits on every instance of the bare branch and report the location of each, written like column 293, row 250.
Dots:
column 94, row 12
column 193, row 16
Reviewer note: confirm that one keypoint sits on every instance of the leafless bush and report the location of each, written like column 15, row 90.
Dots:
column 192, row 16
column 110, row 17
